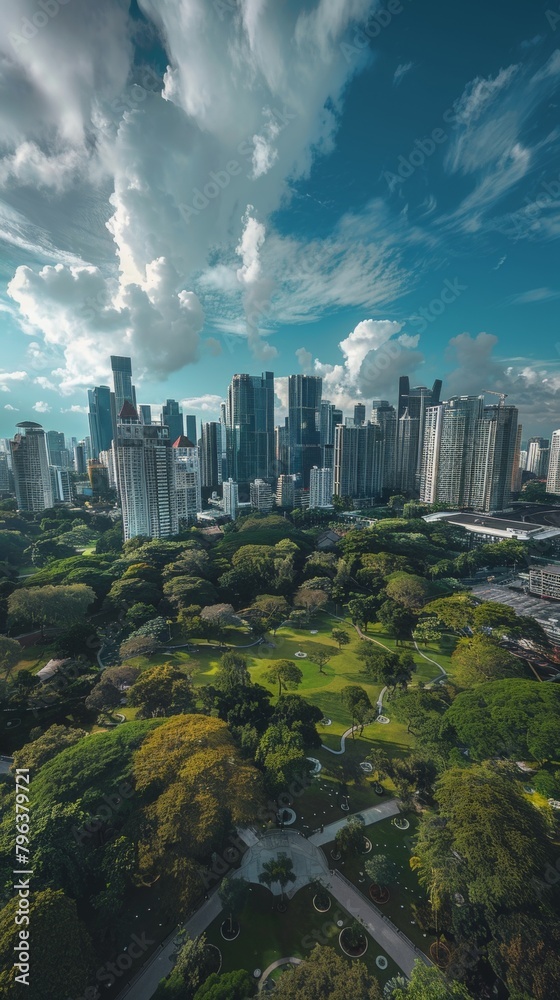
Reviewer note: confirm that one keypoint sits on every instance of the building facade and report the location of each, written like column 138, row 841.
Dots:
column 358, row 461
column 321, row 487
column 250, row 427
column 304, row 425
column 146, row 477
column 187, row 479
column 30, row 467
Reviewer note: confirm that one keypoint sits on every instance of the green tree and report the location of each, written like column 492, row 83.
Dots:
column 103, row 697
column 53, row 741
column 139, row 645
column 427, row 983
column 228, row 986
column 340, row 636
column 325, row 975
column 278, row 871
column 311, row 600
column 321, row 657
column 10, row 654
column 350, row 838
column 234, row 893
column 479, row 659
column 362, row 611
column 284, row 673
column 409, row 590
column 397, row 620
column 456, row 613
column 161, row 691
column 381, row 870
column 50, row 605
column 360, row 708
column 64, row 958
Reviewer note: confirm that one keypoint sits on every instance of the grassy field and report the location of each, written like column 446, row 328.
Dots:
column 267, row 935
column 406, row 891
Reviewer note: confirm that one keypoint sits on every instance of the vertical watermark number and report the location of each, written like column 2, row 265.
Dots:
column 22, row 877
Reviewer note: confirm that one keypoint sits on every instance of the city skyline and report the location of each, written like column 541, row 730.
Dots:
column 289, row 220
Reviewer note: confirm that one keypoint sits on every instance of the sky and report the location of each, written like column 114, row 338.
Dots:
column 352, row 189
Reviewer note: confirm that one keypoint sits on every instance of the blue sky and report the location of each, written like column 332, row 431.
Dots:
column 351, row 189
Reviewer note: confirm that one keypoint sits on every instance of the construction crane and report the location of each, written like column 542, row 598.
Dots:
column 492, row 392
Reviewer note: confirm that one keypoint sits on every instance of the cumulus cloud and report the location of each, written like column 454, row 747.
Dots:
column 86, row 318
column 8, row 378
column 257, row 287
column 304, row 357
column 208, row 403
column 41, row 407
column 374, row 354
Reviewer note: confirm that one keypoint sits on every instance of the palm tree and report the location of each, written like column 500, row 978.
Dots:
column 280, row 870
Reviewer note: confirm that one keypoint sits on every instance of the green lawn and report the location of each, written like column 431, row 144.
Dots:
column 407, row 891
column 267, row 935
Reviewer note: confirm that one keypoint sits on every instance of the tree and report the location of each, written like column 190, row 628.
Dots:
column 284, row 673
column 427, row 630
column 217, row 617
column 311, row 600
column 356, row 700
column 139, row 645
column 350, row 838
column 396, row 619
column 161, row 691
column 127, row 592
column 480, row 659
column 543, row 740
column 281, row 751
column 300, row 716
column 381, row 870
column 385, row 667
column 325, row 975
column 362, row 611
column 76, row 640
column 139, row 614
column 271, row 609
column 380, row 763
column 525, row 953
column 228, row 986
column 103, row 697
column 181, row 591
column 278, row 871
column 53, row 741
column 409, row 590
column 62, row 959
column 10, row 654
column 50, row 605
column 192, row 966
column 340, row 636
column 234, row 893
column 456, row 613
column 321, row 657
column 427, row 983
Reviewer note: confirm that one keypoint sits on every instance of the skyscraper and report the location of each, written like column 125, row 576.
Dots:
column 358, row 461
column 172, row 417
column 321, row 486
column 122, row 382
column 450, row 431
column 494, row 454
column 146, row 477
column 56, row 445
column 30, row 466
column 553, row 478
column 145, row 413
column 359, row 414
column 190, row 427
column 250, row 427
column 304, row 424
column 230, row 500
column 538, row 452
column 100, row 423
column 211, row 455
column 411, row 413
column 80, row 458
column 187, row 479
column 385, row 416
column 285, row 492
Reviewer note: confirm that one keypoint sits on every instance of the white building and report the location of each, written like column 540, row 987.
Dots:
column 187, row 479
column 230, row 498
column 146, row 477
column 61, row 483
column 553, row 478
column 285, row 492
column 30, row 466
column 321, row 486
column 262, row 497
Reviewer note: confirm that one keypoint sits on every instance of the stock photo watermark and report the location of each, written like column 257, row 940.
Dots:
column 30, row 27
column 371, row 30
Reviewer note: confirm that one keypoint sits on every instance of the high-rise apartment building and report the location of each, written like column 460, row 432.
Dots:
column 411, row 415
column 250, row 427
column 359, row 414
column 146, row 477
column 30, row 466
column 553, row 478
column 358, row 461
column 187, row 479
column 262, row 497
column 100, row 423
column 538, row 454
column 285, row 492
column 6, row 477
column 61, row 484
column 211, row 455
column 321, row 487
column 56, row 445
column 385, row 416
column 172, row 417
column 448, row 453
column 304, row 424
column 230, row 498
column 80, row 458
column 494, row 455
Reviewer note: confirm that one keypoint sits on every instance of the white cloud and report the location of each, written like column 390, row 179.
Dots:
column 75, row 408
column 45, row 383
column 6, row 378
column 535, row 295
column 401, row 71
column 41, row 407
column 208, row 403
column 304, row 357
column 8, row 406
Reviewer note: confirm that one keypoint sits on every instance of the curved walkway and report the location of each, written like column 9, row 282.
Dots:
column 444, row 674
column 276, row 965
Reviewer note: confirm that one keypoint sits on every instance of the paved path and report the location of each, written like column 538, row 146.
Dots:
column 384, row 933
column 371, row 815
column 435, row 663
column 276, row 965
